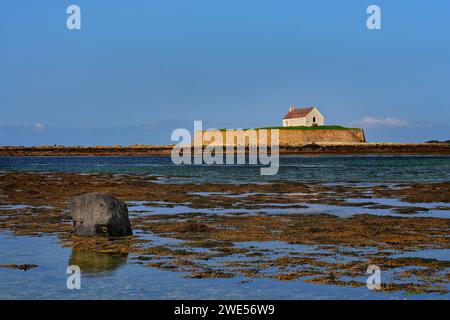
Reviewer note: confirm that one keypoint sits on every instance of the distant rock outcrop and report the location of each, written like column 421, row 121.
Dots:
column 99, row 214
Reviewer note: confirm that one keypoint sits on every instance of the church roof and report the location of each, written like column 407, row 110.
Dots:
column 298, row 113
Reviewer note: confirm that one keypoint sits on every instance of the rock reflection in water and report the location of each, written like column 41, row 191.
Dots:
column 97, row 264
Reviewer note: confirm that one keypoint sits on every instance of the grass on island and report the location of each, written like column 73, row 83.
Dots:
column 310, row 128
column 298, row 128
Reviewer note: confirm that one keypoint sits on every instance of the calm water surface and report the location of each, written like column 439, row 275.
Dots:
column 330, row 169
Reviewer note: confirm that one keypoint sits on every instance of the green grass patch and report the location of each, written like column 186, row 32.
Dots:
column 298, row 128
column 310, row 128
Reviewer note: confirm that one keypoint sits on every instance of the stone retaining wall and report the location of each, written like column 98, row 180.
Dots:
column 292, row 137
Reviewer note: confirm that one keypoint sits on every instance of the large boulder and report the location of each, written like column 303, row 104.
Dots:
column 99, row 214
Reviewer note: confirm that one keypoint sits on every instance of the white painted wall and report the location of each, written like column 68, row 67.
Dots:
column 294, row 122
column 313, row 117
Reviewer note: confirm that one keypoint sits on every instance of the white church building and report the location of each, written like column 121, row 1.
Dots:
column 308, row 117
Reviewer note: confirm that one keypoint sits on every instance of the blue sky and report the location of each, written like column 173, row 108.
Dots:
column 139, row 69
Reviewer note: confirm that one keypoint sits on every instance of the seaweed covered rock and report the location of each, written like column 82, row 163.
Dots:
column 99, row 214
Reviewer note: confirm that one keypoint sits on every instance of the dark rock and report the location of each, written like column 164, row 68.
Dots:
column 312, row 146
column 99, row 214
column 24, row 267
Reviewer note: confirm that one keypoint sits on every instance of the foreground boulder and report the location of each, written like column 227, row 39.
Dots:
column 99, row 214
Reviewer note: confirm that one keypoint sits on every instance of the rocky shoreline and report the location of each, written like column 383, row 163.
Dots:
column 314, row 148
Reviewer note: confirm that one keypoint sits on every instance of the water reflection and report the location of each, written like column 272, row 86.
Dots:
column 97, row 264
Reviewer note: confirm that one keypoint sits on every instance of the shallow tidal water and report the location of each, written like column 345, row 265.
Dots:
column 313, row 168
column 114, row 278
column 120, row 277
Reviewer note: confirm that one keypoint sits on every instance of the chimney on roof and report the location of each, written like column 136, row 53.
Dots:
column 291, row 108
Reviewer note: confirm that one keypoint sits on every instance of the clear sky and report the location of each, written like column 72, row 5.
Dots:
column 139, row 69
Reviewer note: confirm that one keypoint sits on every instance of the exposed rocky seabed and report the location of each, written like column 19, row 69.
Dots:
column 314, row 232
